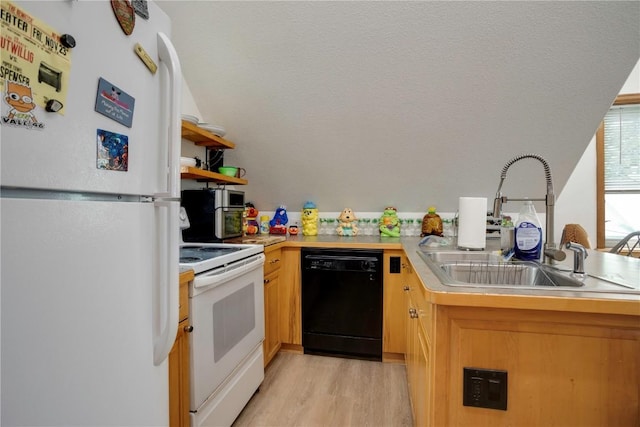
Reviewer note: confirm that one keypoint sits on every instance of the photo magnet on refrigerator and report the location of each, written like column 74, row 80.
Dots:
column 114, row 103
column 113, row 151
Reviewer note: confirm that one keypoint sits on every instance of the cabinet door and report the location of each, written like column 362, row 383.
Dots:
column 272, row 342
column 410, row 352
column 289, row 295
column 179, row 381
column 421, row 406
column 394, row 316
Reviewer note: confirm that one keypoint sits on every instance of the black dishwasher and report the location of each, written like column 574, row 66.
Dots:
column 342, row 302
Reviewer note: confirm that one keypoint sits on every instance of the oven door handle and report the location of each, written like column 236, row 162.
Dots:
column 224, row 274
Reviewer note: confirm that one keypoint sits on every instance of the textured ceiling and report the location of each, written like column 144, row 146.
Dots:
column 367, row 104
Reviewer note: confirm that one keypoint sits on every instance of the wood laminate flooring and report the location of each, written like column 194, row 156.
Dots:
column 306, row 390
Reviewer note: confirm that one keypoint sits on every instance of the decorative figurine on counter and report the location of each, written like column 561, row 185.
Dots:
column 431, row 223
column 253, row 227
column 278, row 224
column 389, row 222
column 309, row 219
column 347, row 223
column 293, row 229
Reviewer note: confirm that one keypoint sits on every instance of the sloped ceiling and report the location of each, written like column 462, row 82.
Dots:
column 367, row 104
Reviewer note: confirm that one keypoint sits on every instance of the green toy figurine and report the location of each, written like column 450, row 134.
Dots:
column 389, row 222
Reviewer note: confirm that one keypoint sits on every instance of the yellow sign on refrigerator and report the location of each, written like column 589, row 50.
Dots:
column 33, row 56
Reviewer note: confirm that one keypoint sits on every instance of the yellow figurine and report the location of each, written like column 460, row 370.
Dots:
column 309, row 219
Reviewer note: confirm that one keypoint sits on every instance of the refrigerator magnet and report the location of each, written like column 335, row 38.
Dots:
column 112, row 151
column 114, row 103
column 124, row 14
column 141, row 9
column 144, row 56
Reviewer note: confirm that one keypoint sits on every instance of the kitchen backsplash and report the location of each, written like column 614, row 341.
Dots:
column 411, row 222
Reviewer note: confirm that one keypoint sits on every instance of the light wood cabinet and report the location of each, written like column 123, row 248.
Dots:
column 290, row 299
column 396, row 270
column 418, row 313
column 564, row 368
column 179, row 365
column 272, row 342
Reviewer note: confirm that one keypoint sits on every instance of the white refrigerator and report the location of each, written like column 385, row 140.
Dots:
column 90, row 153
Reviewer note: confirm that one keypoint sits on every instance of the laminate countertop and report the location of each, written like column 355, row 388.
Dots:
column 604, row 300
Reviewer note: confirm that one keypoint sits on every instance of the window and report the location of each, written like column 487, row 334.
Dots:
column 618, row 174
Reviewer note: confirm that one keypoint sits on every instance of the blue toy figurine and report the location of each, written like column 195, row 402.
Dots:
column 278, row 225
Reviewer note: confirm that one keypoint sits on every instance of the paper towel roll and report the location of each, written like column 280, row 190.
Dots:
column 472, row 222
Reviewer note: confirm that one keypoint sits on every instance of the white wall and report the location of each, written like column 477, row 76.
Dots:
column 577, row 203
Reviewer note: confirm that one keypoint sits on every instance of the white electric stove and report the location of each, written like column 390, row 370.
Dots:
column 226, row 307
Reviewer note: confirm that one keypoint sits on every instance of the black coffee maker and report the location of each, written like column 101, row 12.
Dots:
column 215, row 159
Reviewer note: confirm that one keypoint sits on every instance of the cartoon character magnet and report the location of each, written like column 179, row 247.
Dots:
column 113, row 151
column 21, row 107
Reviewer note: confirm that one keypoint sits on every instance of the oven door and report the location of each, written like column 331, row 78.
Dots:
column 227, row 311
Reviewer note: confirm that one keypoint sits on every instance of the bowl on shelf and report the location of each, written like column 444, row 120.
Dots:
column 228, row 170
column 214, row 129
column 188, row 161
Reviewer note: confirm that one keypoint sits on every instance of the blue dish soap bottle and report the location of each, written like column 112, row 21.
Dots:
column 528, row 234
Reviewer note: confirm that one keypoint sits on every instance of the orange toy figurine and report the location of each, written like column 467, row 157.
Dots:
column 252, row 219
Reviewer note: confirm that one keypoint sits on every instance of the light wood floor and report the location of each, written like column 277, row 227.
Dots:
column 306, row 390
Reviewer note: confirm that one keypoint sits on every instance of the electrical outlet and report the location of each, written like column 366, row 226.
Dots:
column 394, row 264
column 485, row 388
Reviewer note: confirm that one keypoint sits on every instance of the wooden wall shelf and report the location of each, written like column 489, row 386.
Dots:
column 204, row 138
column 188, row 172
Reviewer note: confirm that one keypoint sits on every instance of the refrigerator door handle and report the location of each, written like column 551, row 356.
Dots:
column 167, row 294
column 166, row 301
column 169, row 58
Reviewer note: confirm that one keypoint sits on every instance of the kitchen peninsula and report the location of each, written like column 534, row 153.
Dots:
column 572, row 357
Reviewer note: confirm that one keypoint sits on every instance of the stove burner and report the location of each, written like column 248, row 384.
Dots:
column 217, row 250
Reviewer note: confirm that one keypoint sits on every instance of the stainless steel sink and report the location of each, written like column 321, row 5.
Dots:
column 505, row 274
column 486, row 269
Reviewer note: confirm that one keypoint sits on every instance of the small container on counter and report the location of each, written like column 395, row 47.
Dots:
column 264, row 224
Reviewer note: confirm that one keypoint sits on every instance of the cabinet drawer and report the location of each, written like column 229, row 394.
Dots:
column 273, row 260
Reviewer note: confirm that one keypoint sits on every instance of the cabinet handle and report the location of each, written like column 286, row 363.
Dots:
column 273, row 261
column 405, row 288
column 266, row 281
column 188, row 328
column 413, row 313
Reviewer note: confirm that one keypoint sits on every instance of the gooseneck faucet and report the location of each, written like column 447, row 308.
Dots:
column 551, row 253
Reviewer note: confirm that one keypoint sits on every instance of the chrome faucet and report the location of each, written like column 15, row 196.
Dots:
column 579, row 254
column 551, row 253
